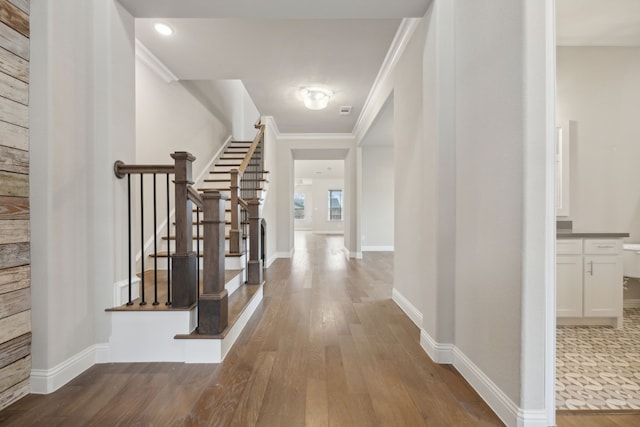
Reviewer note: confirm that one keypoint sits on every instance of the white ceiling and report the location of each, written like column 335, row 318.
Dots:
column 276, row 58
column 279, row 46
column 598, row 22
column 318, row 169
column 289, row 9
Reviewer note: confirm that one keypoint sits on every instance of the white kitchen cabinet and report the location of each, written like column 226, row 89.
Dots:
column 569, row 286
column 602, row 286
column 589, row 281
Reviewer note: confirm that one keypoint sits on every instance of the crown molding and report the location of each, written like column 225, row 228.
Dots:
column 270, row 122
column 150, row 60
column 314, row 136
column 400, row 41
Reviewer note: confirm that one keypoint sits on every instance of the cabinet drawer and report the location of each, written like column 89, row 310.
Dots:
column 602, row 246
column 569, row 246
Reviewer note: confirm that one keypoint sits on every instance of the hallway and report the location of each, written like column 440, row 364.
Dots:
column 326, row 347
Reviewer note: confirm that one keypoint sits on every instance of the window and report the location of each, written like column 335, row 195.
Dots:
column 335, row 205
column 298, row 206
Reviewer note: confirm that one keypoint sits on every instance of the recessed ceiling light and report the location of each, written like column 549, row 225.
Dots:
column 164, row 29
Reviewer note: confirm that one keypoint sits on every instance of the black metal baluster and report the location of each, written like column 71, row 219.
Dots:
column 142, row 300
column 155, row 244
column 129, row 220
column 168, row 248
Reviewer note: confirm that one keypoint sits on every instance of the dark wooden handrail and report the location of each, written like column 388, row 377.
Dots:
column 121, row 170
column 195, row 197
column 254, row 145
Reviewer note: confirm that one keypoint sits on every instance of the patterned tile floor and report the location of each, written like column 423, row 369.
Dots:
column 599, row 367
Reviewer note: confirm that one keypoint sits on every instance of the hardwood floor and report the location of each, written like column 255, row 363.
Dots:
column 326, row 347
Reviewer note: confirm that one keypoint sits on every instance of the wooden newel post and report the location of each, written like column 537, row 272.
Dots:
column 183, row 274
column 213, row 315
column 235, row 239
column 254, row 273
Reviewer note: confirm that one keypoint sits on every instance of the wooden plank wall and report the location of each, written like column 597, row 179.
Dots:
column 15, row 289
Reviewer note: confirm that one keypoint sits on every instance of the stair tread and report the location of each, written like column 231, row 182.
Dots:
column 227, row 172
column 173, row 237
column 149, row 275
column 224, row 189
column 237, row 304
column 164, row 254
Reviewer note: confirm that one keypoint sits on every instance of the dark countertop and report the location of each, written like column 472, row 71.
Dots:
column 570, row 234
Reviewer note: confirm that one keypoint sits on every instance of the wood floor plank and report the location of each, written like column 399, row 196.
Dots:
column 248, row 409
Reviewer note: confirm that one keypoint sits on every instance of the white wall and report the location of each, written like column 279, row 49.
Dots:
column 377, row 198
column 82, row 114
column 169, row 118
column 489, row 188
column 599, row 89
column 413, row 256
column 230, row 102
column 270, row 204
column 471, row 161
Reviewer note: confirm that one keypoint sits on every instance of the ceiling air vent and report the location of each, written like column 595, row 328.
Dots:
column 345, row 110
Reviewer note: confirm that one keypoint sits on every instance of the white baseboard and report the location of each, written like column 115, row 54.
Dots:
column 284, row 254
column 329, row 232
column 270, row 260
column 439, row 353
column 497, row 400
column 45, row 381
column 348, row 254
column 414, row 314
column 378, row 249
column 632, row 303
column 529, row 418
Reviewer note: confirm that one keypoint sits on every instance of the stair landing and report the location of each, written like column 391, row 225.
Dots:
column 151, row 333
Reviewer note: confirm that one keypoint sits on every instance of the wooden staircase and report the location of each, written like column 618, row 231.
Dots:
column 232, row 302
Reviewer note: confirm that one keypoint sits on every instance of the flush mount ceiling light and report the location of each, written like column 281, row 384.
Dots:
column 316, row 98
column 162, row 28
